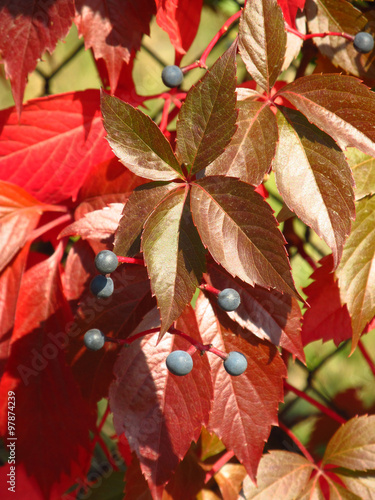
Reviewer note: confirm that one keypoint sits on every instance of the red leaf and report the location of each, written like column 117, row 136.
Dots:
column 180, row 19
column 113, row 28
column 326, row 319
column 19, row 215
column 290, row 8
column 320, row 98
column 267, row 314
column 244, row 407
column 238, row 228
column 160, row 413
column 10, row 281
column 52, row 421
column 27, row 29
column 52, row 150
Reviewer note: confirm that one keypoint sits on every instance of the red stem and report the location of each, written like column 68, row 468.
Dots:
column 164, row 116
column 130, row 260
column 107, row 453
column 318, row 35
column 218, row 465
column 202, row 61
column 330, row 413
column 294, row 438
column 103, row 419
column 198, row 345
column 131, row 339
column 210, row 289
column 366, row 355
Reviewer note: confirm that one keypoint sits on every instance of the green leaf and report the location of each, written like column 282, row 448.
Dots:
column 174, row 256
column 339, row 17
column 138, row 208
column 206, row 121
column 363, row 168
column 353, row 445
column 356, row 272
column 281, row 474
column 340, row 105
column 238, row 228
column 137, row 141
column 252, row 148
column 314, row 179
column 262, row 41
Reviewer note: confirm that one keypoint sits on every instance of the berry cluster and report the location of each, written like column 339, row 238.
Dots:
column 102, row 286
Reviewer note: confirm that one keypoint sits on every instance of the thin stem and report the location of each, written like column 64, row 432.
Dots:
column 366, row 355
column 131, row 339
column 201, row 63
column 294, row 438
column 318, row 35
column 330, row 413
column 164, row 116
column 218, row 465
column 198, row 345
column 130, row 260
column 103, row 419
column 107, row 453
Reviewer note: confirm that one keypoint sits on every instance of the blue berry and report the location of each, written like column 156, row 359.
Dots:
column 101, row 286
column 363, row 42
column 106, row 262
column 236, row 363
column 179, row 363
column 229, row 299
column 94, row 339
column 172, row 76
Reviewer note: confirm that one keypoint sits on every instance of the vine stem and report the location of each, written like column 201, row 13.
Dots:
column 131, row 339
column 198, row 346
column 210, row 289
column 201, row 63
column 130, row 260
column 324, row 409
column 318, row 35
column 294, row 438
column 165, row 113
column 218, row 465
column 366, row 355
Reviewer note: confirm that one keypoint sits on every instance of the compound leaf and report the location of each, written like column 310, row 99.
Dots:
column 206, row 121
column 262, row 41
column 357, row 267
column 314, row 179
column 137, row 141
column 174, row 256
column 339, row 105
column 252, row 148
column 244, row 407
column 238, row 228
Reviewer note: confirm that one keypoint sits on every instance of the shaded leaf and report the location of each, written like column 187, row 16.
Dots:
column 266, row 314
column 252, row 148
column 356, row 270
column 27, row 29
column 113, row 29
column 53, row 148
column 262, row 41
column 174, row 256
column 312, row 491
column 339, row 105
column 238, row 228
column 339, row 17
column 180, row 20
column 210, row 445
column 99, row 224
column 138, row 208
column 360, row 483
column 10, row 282
column 19, row 216
column 117, row 316
column 137, row 141
column 160, row 413
column 281, row 474
column 187, row 481
column 244, row 407
column 56, row 438
column 353, row 445
column 338, row 492
column 314, row 179
column 363, row 168
column 326, row 319
column 206, row 121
